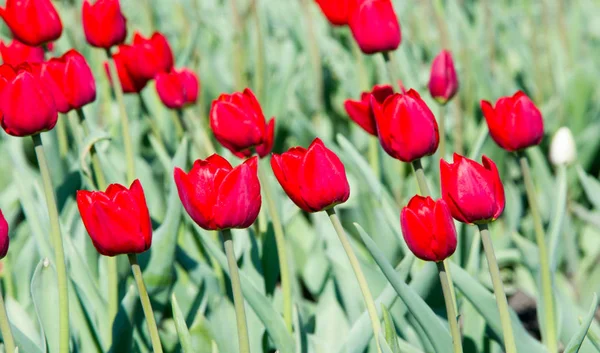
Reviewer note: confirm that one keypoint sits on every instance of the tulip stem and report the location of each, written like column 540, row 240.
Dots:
column 57, row 244
column 450, row 308
column 98, row 172
column 260, row 65
column 442, row 127
column 7, row 337
column 374, row 156
column 392, row 69
column 545, row 271
column 236, row 288
column 178, row 122
column 146, row 305
column 421, row 180
column 360, row 276
column 61, row 132
column 315, row 59
column 488, row 247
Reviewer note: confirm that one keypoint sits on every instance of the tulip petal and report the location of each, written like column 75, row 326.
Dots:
column 416, row 235
column 286, row 168
column 498, row 186
column 360, row 113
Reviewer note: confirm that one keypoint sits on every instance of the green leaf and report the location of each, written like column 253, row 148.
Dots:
column 44, row 291
column 591, row 186
column 390, row 330
column 182, row 331
column 576, row 341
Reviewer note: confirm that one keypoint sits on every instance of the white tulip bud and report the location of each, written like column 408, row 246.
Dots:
column 562, row 147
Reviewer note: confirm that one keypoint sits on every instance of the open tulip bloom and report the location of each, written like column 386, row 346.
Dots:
column 361, row 111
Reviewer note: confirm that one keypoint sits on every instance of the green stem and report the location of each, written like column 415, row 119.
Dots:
column 57, row 244
column 442, row 126
column 259, row 83
column 9, row 341
column 146, row 305
column 238, row 297
column 178, row 123
column 360, row 277
column 153, row 126
column 450, row 307
column 61, row 132
column 200, row 138
column 363, row 77
column 9, row 286
column 98, row 172
column 374, row 156
column 240, row 55
column 488, row 247
column 550, row 338
column 421, row 180
column 315, row 59
column 392, row 69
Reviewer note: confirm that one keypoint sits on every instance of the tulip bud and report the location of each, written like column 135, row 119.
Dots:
column 406, row 126
column 337, row 11
column 474, row 192
column 428, row 228
column 218, row 196
column 17, row 53
column 124, row 59
column 375, row 26
column 361, row 111
column 33, row 22
column 177, row 88
column 315, row 179
column 562, row 148
column 4, row 240
column 238, row 122
column 103, row 23
column 117, row 220
column 515, row 123
column 150, row 56
column 443, row 82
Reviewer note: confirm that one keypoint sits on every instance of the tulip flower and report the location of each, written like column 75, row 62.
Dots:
column 130, row 82
column 562, row 148
column 361, row 111
column 4, row 240
column 515, row 123
column 177, row 88
column 104, row 24
column 375, row 26
column 337, row 11
column 150, row 56
column 428, row 228
column 218, row 196
column 406, row 126
column 473, row 192
column 33, row 22
column 238, row 122
column 117, row 220
column 17, row 53
column 443, row 83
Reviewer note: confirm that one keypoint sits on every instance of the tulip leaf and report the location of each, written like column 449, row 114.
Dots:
column 23, row 329
column 361, row 165
column 86, row 147
column 385, row 347
column 182, row 330
column 575, row 343
column 390, row 330
column 591, row 186
column 44, row 292
column 122, row 330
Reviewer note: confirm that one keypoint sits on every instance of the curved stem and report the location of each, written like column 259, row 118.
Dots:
column 9, row 341
column 374, row 156
column 442, row 126
column 421, row 180
column 450, row 307
column 392, row 69
column 146, row 305
column 178, row 123
column 360, row 276
column 61, row 132
column 57, row 244
column 98, row 172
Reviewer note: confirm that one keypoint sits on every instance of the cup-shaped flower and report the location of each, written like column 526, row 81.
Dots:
column 130, row 81
column 4, row 240
column 337, row 11
column 443, row 82
column 117, row 220
column 33, row 22
column 218, row 196
column 428, row 228
column 104, row 24
column 515, row 123
column 17, row 53
column 177, row 88
column 375, row 26
column 314, row 178
column 361, row 112
column 563, row 149
column 406, row 126
column 238, row 122
column 474, row 192
column 150, row 56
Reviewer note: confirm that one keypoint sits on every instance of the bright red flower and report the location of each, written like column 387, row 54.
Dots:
column 361, row 111
column 443, row 83
column 375, row 26
column 406, row 126
column 218, row 196
column 428, row 228
column 17, row 53
column 337, row 11
column 177, row 88
column 314, row 178
column 4, row 240
column 474, row 192
column 124, row 59
column 33, row 22
column 238, row 122
column 515, row 123
column 103, row 23
column 118, row 220
column 150, row 56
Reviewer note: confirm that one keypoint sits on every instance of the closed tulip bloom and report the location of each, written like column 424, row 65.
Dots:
column 151, row 56
column 337, row 11
column 33, row 22
column 124, row 59
column 4, row 240
column 103, row 23
column 17, row 53
column 218, row 196
column 117, row 220
column 238, row 122
column 428, row 228
column 443, row 83
column 177, row 88
column 361, row 112
column 406, row 126
column 314, row 178
column 563, row 149
column 515, row 123
column 473, row 192
column 375, row 26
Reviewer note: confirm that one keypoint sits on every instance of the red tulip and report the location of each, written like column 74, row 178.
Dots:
column 428, row 228
column 17, row 53
column 117, row 220
column 515, row 123
column 474, row 192
column 150, row 56
column 4, row 240
column 375, row 26
column 103, row 23
column 337, row 11
column 315, row 179
column 177, row 88
column 361, row 111
column 443, row 82
column 33, row 22
column 218, row 196
column 124, row 59
column 406, row 126
column 71, row 81
column 238, row 122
